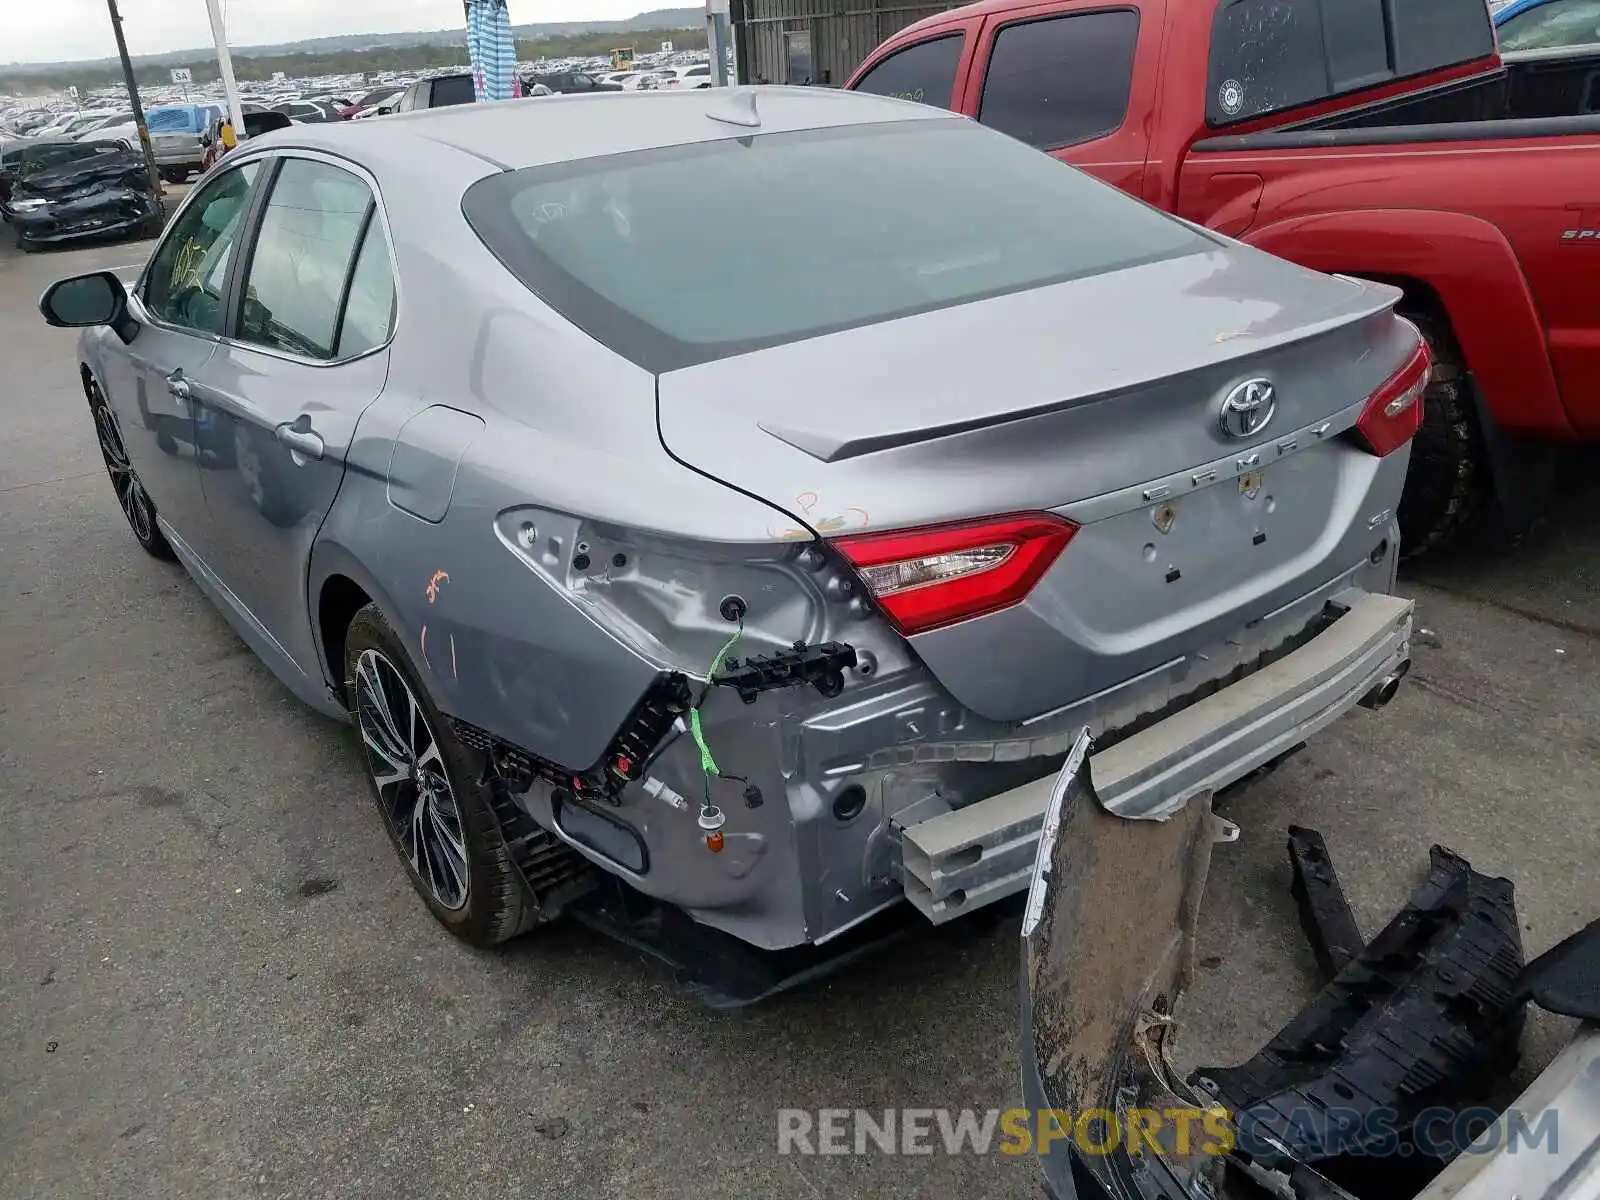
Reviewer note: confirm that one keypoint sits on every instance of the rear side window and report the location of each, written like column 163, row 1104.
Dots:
column 453, row 89
column 1270, row 55
column 1559, row 23
column 369, row 312
column 669, row 256
column 925, row 73
column 1063, row 80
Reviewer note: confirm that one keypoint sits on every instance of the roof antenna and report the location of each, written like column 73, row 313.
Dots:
column 738, row 108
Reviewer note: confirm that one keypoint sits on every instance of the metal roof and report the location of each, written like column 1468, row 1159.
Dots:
column 551, row 129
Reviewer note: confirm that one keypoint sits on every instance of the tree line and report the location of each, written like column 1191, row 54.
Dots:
column 22, row 80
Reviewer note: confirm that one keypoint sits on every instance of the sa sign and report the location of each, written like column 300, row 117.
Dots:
column 666, row 47
column 182, row 75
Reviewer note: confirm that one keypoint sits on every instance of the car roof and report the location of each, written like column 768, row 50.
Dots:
column 510, row 135
column 36, row 143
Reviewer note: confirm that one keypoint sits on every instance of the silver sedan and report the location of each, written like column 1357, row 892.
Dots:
column 719, row 512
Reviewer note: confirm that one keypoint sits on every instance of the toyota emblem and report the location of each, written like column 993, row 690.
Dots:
column 1248, row 408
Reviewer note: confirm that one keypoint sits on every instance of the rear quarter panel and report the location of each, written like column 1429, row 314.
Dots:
column 568, row 432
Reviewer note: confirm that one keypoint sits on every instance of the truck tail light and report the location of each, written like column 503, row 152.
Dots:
column 938, row 575
column 1393, row 413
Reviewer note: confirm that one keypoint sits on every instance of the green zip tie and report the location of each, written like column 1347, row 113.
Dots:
column 708, row 764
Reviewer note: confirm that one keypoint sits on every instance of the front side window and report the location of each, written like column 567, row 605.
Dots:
column 187, row 276
column 925, row 73
column 1062, row 80
column 310, row 230
column 1559, row 23
column 669, row 256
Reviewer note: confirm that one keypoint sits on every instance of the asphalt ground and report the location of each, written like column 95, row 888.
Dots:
column 215, row 980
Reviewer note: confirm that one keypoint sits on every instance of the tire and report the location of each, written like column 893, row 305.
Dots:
column 26, row 244
column 134, row 501
column 174, row 174
column 469, row 882
column 1448, row 481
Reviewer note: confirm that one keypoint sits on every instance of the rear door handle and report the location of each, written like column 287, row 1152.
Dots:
column 302, row 441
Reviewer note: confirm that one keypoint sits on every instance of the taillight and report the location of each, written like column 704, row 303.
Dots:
column 934, row 576
column 1393, row 413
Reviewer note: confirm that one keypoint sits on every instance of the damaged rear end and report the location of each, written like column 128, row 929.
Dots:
column 1037, row 458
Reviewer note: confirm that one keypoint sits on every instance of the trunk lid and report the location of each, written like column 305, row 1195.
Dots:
column 1099, row 399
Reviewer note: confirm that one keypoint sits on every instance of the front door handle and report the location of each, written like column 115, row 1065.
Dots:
column 179, row 386
column 303, row 441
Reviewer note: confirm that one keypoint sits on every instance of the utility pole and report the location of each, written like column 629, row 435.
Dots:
column 230, row 86
column 138, row 109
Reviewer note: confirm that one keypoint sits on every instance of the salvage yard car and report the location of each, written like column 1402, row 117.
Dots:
column 730, row 590
column 176, row 136
column 66, row 191
column 1396, row 146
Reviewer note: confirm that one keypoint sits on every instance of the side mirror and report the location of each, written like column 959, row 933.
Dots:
column 85, row 301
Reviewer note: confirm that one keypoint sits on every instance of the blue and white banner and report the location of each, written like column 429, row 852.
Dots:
column 493, row 50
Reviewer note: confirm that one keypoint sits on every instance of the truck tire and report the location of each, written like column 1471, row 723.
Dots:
column 1448, row 480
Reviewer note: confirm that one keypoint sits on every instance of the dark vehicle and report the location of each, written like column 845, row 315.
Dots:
column 255, row 124
column 311, row 111
column 438, row 92
column 375, row 96
column 567, row 83
column 82, row 189
column 32, row 151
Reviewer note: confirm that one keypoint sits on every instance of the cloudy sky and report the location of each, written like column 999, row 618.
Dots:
column 58, row 30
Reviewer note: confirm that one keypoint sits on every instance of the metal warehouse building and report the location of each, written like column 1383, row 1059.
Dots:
column 815, row 41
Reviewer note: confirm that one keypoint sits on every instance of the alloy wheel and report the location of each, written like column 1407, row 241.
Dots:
column 408, row 772
column 124, row 481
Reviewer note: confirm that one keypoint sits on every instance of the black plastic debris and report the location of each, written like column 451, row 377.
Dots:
column 1325, row 915
column 1565, row 979
column 1428, row 1014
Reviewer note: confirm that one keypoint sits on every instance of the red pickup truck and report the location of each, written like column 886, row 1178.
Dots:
column 1380, row 138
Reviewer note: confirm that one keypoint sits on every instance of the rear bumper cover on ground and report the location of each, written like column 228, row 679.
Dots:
column 956, row 861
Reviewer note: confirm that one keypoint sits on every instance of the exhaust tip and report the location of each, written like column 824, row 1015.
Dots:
column 1384, row 690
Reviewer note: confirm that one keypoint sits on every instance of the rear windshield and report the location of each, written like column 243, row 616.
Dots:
column 172, row 120
column 1269, row 55
column 39, row 159
column 682, row 255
